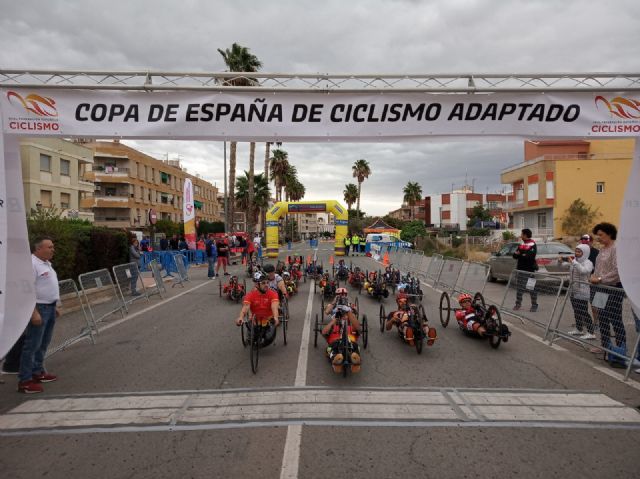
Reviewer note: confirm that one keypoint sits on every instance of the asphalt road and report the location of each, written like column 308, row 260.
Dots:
column 169, row 392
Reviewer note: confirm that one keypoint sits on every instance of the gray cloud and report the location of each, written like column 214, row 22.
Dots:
column 373, row 36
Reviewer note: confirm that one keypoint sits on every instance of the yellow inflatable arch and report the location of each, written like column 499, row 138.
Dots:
column 283, row 208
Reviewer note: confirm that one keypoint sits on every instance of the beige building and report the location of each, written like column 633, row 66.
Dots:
column 128, row 184
column 555, row 173
column 53, row 175
column 315, row 223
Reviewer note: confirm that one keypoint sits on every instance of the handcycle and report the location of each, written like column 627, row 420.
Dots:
column 345, row 346
column 356, row 279
column 375, row 286
column 391, row 277
column 253, row 334
column 490, row 317
column 410, row 285
column 327, row 286
column 233, row 290
column 417, row 321
column 340, row 271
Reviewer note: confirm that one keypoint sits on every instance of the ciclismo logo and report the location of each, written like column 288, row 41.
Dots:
column 624, row 114
column 40, row 113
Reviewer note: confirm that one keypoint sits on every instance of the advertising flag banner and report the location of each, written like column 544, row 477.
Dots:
column 189, row 214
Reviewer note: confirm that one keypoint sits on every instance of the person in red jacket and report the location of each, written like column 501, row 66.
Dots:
column 263, row 303
column 467, row 317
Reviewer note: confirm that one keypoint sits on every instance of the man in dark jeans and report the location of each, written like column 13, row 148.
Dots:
column 526, row 256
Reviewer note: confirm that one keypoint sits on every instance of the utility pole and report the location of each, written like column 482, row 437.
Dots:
column 226, row 206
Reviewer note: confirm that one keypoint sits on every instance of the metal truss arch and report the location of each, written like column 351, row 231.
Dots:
column 321, row 83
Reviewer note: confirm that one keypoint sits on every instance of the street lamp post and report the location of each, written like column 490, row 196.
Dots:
column 226, row 206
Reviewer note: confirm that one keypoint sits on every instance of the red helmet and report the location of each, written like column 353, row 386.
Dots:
column 464, row 297
column 341, row 291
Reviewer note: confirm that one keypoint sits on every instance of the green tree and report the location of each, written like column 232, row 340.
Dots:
column 169, row 228
column 412, row 230
column 279, row 166
column 350, row 194
column 479, row 213
column 361, row 170
column 579, row 218
column 261, row 194
column 394, row 222
column 239, row 59
column 412, row 194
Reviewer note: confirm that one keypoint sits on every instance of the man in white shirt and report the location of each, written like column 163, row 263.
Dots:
column 40, row 328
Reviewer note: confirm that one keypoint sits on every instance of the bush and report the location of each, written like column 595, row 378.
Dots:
column 508, row 235
column 478, row 231
column 79, row 246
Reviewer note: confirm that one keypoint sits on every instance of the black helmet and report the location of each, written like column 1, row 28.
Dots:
column 259, row 276
column 268, row 268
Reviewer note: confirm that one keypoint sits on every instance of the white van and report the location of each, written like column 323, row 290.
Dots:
column 381, row 238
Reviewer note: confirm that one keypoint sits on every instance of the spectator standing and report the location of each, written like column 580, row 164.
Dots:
column 200, row 245
column 223, row 256
column 607, row 305
column 164, row 244
column 243, row 247
column 526, row 256
column 580, row 270
column 212, row 256
column 593, row 252
column 173, row 242
column 182, row 244
column 144, row 244
column 251, row 249
column 40, row 328
column 134, row 257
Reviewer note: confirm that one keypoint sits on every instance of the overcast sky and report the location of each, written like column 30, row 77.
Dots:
column 366, row 36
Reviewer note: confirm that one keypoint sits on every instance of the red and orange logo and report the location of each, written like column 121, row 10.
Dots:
column 39, row 105
column 621, row 107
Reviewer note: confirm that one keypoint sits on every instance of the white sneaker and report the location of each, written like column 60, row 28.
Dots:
column 575, row 332
column 588, row 336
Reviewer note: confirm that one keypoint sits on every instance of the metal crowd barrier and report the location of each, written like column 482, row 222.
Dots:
column 165, row 258
column 156, row 272
column 101, row 295
column 130, row 283
column 599, row 317
column 181, row 267
column 73, row 324
column 449, row 274
column 532, row 296
column 473, row 278
column 435, row 266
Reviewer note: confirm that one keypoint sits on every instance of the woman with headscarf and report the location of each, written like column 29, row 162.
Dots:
column 580, row 270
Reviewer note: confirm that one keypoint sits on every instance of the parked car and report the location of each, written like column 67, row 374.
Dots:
column 502, row 263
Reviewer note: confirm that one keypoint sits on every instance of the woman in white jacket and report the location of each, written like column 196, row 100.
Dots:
column 580, row 269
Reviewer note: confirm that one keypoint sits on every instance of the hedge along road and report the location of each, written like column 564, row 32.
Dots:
column 161, row 374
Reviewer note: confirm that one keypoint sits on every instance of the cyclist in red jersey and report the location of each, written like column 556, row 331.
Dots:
column 468, row 318
column 263, row 303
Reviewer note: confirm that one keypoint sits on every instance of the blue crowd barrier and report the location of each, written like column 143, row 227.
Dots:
column 165, row 258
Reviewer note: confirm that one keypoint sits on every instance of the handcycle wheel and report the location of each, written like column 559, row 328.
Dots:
column 445, row 305
column 357, row 303
column 316, row 329
column 383, row 318
column 220, row 288
column 493, row 318
column 322, row 305
column 255, row 346
column 479, row 299
column 365, row 331
column 285, row 320
column 245, row 325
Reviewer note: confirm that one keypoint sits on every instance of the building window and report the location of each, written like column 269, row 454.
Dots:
column 65, row 167
column 65, row 199
column 542, row 220
column 550, row 193
column 45, row 163
column 532, row 194
column 600, row 187
column 45, row 198
column 110, row 191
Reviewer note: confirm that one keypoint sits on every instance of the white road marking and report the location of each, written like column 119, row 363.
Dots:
column 291, row 455
column 295, row 406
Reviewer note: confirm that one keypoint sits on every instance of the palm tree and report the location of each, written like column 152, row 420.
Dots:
column 250, row 214
column 279, row 165
column 361, row 170
column 412, row 194
column 261, row 194
column 350, row 194
column 238, row 59
column 290, row 181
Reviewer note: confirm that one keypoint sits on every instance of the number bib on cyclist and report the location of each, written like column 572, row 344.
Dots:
column 261, row 303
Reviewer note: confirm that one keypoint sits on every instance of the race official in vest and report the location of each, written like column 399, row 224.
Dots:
column 355, row 241
column 347, row 245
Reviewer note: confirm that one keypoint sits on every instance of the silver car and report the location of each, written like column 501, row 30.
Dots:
column 502, row 263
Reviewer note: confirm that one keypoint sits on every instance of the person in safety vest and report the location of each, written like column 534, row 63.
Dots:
column 347, row 245
column 355, row 241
